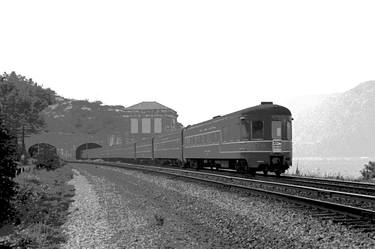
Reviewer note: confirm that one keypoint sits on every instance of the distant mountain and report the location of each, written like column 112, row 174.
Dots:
column 340, row 124
column 81, row 116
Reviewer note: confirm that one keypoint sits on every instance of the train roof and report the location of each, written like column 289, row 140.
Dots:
column 266, row 108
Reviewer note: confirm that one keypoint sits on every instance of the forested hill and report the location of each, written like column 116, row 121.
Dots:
column 21, row 101
column 340, row 124
column 82, row 116
column 26, row 105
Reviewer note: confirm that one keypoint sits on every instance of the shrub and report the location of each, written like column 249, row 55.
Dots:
column 48, row 160
column 8, row 152
column 369, row 171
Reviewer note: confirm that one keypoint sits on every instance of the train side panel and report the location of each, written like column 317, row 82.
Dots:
column 144, row 149
column 168, row 147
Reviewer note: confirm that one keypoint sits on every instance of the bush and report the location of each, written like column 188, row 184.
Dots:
column 41, row 207
column 48, row 160
column 8, row 152
column 369, row 171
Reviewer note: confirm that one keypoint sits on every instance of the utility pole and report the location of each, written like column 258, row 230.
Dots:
column 23, row 152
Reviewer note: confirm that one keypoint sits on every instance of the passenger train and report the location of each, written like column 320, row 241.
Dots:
column 258, row 138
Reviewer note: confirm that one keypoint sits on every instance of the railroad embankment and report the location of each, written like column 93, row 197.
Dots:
column 118, row 208
column 40, row 209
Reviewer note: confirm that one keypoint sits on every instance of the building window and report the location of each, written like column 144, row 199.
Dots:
column 146, row 125
column 118, row 140
column 257, row 130
column 111, row 139
column 133, row 125
column 157, row 125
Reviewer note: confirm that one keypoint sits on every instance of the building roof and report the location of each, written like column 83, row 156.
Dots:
column 148, row 105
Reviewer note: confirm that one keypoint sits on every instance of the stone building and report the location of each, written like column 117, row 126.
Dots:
column 147, row 119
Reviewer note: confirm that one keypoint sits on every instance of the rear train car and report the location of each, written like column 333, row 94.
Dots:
column 254, row 139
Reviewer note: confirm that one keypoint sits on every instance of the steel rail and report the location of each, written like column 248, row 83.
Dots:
column 362, row 184
column 331, row 183
column 331, row 193
column 349, row 210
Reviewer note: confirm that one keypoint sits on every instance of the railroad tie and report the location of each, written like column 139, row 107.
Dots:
column 348, row 220
column 331, row 217
column 368, row 230
column 323, row 214
column 364, row 226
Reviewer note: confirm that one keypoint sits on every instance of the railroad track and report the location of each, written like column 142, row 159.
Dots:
column 348, row 208
column 339, row 185
column 329, row 184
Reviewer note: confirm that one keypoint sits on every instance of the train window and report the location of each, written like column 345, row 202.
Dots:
column 288, row 130
column 276, row 129
column 225, row 134
column 245, row 130
column 212, row 138
column 209, row 138
column 257, row 129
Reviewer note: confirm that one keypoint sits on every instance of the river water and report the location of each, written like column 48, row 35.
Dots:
column 348, row 167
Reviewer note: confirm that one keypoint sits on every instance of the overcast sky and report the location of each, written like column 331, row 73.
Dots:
column 201, row 58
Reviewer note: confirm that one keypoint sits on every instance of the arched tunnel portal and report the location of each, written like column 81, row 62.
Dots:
column 38, row 148
column 85, row 146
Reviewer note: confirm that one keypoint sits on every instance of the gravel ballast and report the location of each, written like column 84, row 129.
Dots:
column 119, row 208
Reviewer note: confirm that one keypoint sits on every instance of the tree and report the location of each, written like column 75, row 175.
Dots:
column 369, row 171
column 47, row 159
column 7, row 170
column 22, row 100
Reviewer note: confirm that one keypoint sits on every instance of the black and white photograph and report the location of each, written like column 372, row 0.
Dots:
column 187, row 124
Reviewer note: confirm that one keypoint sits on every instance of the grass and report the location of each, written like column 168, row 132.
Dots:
column 41, row 207
column 334, row 176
